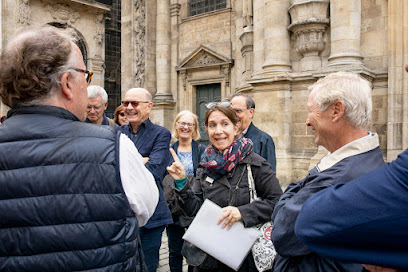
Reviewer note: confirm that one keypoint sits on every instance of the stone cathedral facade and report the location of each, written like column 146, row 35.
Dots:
column 191, row 52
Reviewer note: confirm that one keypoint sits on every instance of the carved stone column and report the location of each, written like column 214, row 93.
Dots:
column 276, row 37
column 345, row 32
column 163, row 53
column 309, row 22
column 175, row 18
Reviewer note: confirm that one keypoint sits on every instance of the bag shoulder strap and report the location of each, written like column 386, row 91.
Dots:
column 251, row 184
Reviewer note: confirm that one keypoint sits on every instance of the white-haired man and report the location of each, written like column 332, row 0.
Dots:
column 362, row 221
column 97, row 104
column 339, row 107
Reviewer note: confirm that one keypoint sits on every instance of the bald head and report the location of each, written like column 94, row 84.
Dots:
column 138, row 104
column 141, row 92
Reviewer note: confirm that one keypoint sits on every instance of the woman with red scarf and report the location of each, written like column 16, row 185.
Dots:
column 222, row 177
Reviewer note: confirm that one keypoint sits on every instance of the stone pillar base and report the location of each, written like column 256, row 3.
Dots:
column 345, row 59
column 163, row 114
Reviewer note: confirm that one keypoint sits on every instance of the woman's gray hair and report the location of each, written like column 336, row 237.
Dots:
column 351, row 89
column 95, row 91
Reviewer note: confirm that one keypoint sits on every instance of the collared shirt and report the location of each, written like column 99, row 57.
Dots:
column 343, row 165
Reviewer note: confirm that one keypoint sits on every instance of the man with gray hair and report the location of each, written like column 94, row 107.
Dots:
column 97, row 104
column 73, row 195
column 339, row 109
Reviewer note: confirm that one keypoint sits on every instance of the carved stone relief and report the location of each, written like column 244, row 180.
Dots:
column 63, row 13
column 99, row 34
column 140, row 40
column 24, row 13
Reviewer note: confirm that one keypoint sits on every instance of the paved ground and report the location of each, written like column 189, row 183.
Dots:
column 164, row 256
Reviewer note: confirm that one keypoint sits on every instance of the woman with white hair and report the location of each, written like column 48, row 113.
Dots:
column 187, row 132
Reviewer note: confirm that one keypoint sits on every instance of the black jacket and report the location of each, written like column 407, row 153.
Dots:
column 222, row 190
column 62, row 206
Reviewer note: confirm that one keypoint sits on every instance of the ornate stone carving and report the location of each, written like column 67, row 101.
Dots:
column 309, row 25
column 99, row 34
column 24, row 13
column 310, row 40
column 225, row 70
column 140, row 39
column 63, row 13
column 205, row 59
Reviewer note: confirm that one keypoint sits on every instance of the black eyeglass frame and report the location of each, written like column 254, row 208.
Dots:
column 88, row 73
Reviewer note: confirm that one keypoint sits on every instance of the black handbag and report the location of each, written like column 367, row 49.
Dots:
column 196, row 257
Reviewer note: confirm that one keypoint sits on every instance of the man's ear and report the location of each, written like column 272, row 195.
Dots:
column 66, row 86
column 252, row 111
column 106, row 105
column 338, row 110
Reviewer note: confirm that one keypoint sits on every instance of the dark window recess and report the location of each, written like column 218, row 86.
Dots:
column 112, row 57
column 203, row 6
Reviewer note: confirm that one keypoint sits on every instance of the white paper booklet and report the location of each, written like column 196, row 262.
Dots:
column 228, row 246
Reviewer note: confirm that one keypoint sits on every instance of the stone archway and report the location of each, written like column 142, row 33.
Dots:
column 80, row 42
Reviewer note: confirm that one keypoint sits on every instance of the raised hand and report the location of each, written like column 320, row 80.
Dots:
column 176, row 170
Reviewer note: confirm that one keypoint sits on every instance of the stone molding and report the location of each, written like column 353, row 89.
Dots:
column 204, row 57
column 139, row 29
column 175, row 10
column 63, row 13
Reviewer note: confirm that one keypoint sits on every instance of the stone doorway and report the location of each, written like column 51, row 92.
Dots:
column 205, row 94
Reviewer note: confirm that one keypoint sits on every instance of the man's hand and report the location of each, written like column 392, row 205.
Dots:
column 176, row 170
column 232, row 215
column 373, row 268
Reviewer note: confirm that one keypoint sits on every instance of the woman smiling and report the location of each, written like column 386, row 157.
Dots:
column 222, row 177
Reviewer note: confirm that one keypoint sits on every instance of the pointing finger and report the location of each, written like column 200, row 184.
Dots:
column 173, row 153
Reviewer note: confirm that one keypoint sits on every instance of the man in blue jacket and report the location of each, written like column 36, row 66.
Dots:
column 264, row 146
column 73, row 195
column 362, row 221
column 339, row 109
column 152, row 141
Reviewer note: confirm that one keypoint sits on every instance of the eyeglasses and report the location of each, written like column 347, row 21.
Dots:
column 134, row 103
column 122, row 114
column 88, row 75
column 213, row 104
column 183, row 124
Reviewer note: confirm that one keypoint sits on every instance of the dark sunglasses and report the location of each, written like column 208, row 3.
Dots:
column 213, row 104
column 88, row 74
column 122, row 114
column 134, row 103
